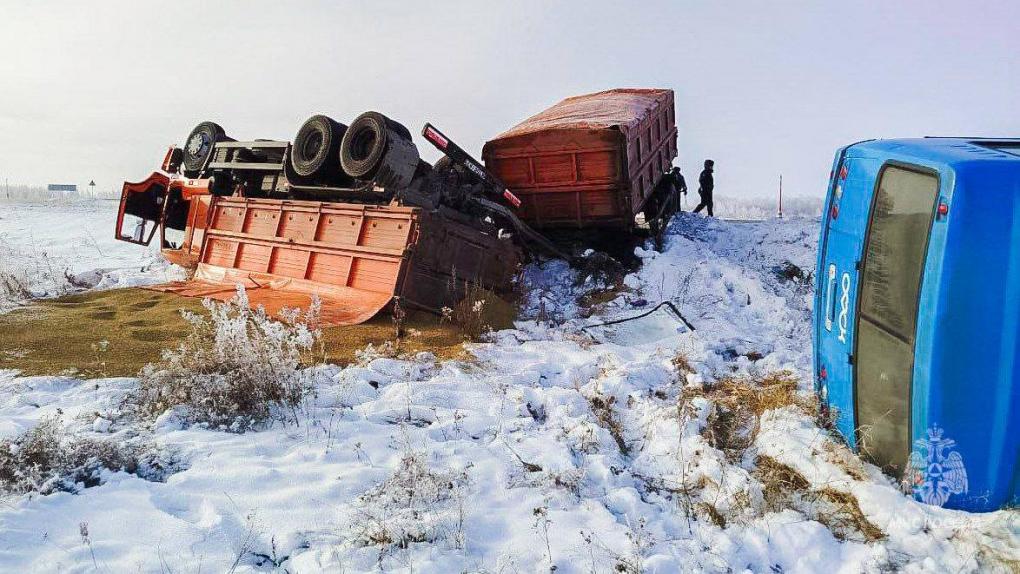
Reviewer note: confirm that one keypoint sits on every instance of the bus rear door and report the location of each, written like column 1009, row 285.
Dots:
column 842, row 236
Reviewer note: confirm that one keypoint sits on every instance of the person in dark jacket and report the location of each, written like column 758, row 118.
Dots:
column 679, row 184
column 706, row 183
column 678, row 180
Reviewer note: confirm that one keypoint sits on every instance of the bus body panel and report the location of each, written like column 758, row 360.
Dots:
column 962, row 423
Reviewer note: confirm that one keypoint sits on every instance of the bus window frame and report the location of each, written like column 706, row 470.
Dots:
column 862, row 263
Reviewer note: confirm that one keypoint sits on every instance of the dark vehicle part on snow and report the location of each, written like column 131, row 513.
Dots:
column 668, row 304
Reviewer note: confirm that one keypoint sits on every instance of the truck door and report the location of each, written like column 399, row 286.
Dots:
column 141, row 209
column 895, row 247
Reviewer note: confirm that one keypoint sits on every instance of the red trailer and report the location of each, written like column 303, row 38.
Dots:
column 596, row 160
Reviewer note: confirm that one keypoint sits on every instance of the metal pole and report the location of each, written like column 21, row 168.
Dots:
column 780, row 196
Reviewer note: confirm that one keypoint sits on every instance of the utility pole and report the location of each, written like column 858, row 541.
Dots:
column 7, row 185
column 780, row 196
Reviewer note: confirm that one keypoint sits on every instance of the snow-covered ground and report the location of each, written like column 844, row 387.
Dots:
column 757, row 208
column 57, row 247
column 561, row 445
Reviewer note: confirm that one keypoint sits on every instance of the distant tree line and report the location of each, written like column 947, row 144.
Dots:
column 23, row 192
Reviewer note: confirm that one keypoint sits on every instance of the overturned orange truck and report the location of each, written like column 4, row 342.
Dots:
column 353, row 215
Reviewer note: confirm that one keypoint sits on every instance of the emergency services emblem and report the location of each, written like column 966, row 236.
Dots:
column 935, row 471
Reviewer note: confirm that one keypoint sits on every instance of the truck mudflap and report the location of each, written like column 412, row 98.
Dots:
column 355, row 258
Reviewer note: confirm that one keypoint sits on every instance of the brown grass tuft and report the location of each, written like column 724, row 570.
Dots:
column 841, row 513
column 482, row 310
column 780, row 482
column 683, row 366
column 602, row 407
column 783, row 487
column 837, row 454
column 712, row 513
column 739, row 403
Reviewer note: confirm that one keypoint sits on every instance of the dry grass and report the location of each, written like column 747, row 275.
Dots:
column 415, row 504
column 237, row 367
column 783, row 487
column 46, row 459
column 837, row 454
column 480, row 311
column 596, row 300
column 683, row 366
column 69, row 334
column 733, row 424
column 739, row 403
column 779, row 483
column 758, row 394
column 602, row 407
column 841, row 513
column 12, row 287
column 713, row 514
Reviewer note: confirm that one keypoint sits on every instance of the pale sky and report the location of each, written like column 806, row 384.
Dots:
column 97, row 90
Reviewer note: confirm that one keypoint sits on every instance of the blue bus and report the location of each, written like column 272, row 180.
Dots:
column 917, row 314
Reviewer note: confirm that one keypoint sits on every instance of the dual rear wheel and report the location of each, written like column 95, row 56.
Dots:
column 313, row 154
column 374, row 148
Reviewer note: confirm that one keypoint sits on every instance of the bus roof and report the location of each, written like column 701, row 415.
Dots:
column 948, row 150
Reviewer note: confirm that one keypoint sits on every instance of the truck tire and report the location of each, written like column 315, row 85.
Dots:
column 313, row 154
column 461, row 173
column 199, row 146
column 379, row 149
column 443, row 164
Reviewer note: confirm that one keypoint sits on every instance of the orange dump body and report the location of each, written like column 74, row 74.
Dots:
column 588, row 161
column 355, row 258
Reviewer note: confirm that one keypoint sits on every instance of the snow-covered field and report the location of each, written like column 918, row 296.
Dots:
column 559, row 446
column 56, row 247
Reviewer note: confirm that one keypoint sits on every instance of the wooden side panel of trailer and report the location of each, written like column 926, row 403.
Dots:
column 651, row 148
column 579, row 173
column 565, row 178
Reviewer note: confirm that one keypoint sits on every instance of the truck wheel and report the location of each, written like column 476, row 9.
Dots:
column 379, row 149
column 443, row 164
column 315, row 147
column 463, row 175
column 199, row 146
